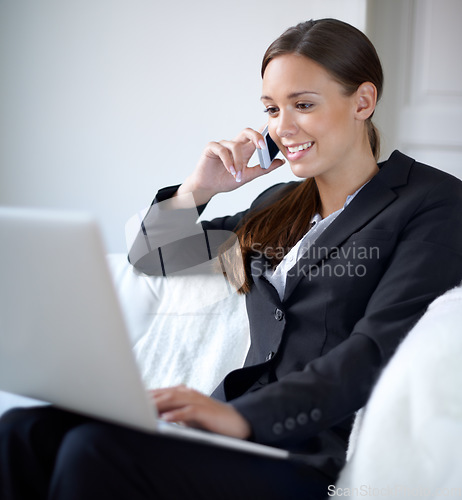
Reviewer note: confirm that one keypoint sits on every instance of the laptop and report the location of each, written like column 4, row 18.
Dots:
column 63, row 339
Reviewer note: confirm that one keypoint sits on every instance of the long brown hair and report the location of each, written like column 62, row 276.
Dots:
column 351, row 59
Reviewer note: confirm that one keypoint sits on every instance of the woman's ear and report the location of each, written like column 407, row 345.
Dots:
column 366, row 99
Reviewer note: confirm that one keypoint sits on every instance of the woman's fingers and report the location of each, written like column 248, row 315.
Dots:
column 177, row 398
column 249, row 134
column 190, row 407
column 174, row 397
column 253, row 172
column 190, row 415
column 214, row 416
column 242, row 148
column 219, row 150
column 241, row 154
column 224, row 164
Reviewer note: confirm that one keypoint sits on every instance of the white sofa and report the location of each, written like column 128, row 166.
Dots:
column 407, row 441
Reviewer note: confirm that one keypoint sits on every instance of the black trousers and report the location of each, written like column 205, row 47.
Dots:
column 47, row 453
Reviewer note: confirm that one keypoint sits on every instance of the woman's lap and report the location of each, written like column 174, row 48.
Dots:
column 91, row 459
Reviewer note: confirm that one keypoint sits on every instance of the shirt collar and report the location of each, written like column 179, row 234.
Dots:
column 317, row 217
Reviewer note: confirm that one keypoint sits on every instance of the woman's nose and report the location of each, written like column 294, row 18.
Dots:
column 286, row 125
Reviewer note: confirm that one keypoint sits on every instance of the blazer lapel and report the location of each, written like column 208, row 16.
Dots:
column 258, row 266
column 370, row 201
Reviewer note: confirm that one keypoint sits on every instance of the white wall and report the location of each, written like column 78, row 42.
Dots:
column 104, row 101
column 419, row 43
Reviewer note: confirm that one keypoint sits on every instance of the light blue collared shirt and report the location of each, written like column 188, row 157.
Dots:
column 278, row 276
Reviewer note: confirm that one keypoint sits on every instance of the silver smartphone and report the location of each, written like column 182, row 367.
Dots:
column 266, row 156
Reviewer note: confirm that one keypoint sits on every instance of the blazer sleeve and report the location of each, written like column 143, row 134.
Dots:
column 171, row 241
column 426, row 262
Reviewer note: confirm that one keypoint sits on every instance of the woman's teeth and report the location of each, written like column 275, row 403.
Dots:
column 295, row 149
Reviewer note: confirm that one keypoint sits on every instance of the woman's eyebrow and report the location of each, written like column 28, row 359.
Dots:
column 291, row 96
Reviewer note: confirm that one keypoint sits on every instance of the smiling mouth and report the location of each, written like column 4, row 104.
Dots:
column 301, row 147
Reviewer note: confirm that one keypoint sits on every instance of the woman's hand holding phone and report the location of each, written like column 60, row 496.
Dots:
column 223, row 166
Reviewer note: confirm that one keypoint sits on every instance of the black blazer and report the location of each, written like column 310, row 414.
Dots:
column 315, row 355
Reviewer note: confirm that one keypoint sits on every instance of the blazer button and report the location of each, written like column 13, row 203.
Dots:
column 316, row 414
column 289, row 424
column 278, row 428
column 270, row 355
column 278, row 314
column 302, row 418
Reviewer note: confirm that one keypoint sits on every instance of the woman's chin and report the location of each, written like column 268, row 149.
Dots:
column 301, row 171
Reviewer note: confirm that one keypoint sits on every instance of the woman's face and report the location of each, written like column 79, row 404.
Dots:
column 310, row 118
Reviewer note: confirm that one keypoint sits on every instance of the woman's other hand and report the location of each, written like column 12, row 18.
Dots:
column 223, row 166
column 189, row 407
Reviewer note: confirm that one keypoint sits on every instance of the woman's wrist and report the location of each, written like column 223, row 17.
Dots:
column 201, row 196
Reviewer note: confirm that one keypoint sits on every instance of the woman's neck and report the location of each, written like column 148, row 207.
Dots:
column 334, row 191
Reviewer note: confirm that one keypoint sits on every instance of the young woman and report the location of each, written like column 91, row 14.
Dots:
column 337, row 269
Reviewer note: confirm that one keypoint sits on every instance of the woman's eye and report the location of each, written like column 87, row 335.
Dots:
column 271, row 111
column 304, row 105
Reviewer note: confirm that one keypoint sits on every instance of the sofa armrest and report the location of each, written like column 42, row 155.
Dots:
column 408, row 437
